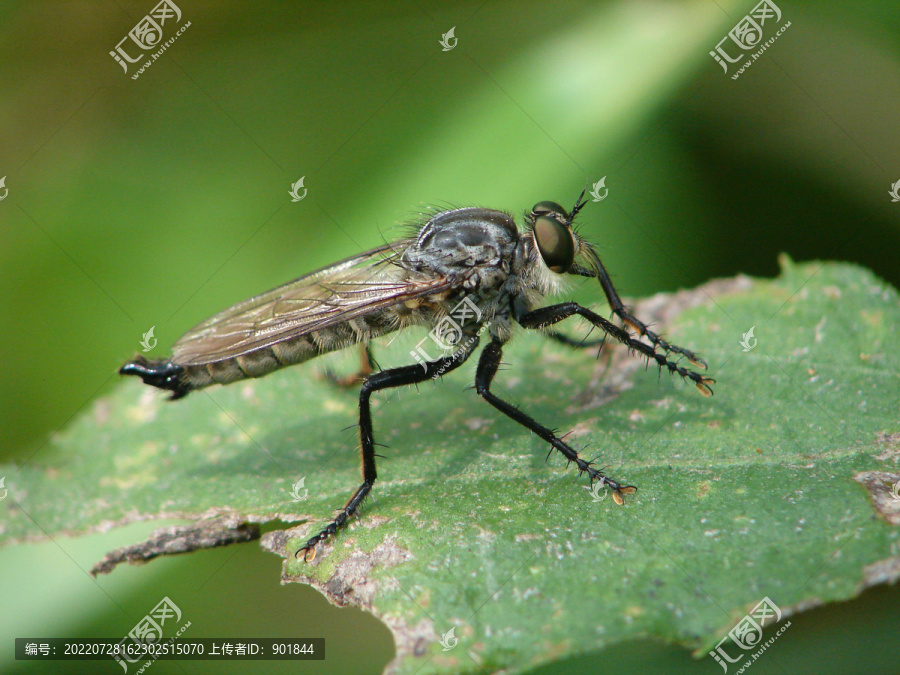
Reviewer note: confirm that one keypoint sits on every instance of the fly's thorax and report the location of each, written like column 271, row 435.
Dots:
column 472, row 243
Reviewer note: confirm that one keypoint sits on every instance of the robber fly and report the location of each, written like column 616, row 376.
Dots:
column 471, row 254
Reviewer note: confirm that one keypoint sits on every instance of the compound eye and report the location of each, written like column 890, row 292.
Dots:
column 543, row 208
column 555, row 242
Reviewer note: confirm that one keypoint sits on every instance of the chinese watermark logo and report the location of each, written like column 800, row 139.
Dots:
column 595, row 491
column 748, row 341
column 449, row 640
column 895, row 490
column 448, row 40
column 449, row 331
column 5, row 190
column 148, row 34
column 894, row 193
column 295, row 190
column 296, row 490
column 747, row 34
column 595, row 191
column 148, row 342
column 4, row 491
column 748, row 634
column 149, row 630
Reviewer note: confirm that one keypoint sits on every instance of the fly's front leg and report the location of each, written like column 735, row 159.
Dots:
column 487, row 369
column 636, row 324
column 546, row 316
column 386, row 379
column 641, row 328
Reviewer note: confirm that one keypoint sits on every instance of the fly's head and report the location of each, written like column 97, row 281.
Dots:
column 555, row 248
column 551, row 227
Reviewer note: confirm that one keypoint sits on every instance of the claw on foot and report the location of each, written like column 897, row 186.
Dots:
column 618, row 494
column 306, row 554
column 697, row 361
column 703, row 386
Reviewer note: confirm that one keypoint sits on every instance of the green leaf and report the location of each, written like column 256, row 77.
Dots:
column 767, row 489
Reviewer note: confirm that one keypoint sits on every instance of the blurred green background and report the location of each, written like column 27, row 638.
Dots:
column 160, row 200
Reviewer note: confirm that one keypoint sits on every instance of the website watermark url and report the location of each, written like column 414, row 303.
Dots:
column 147, row 34
column 748, row 34
column 746, row 635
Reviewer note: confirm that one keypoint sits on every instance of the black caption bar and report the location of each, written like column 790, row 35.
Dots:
column 174, row 649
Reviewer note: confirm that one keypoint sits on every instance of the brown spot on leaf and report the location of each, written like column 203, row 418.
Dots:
column 885, row 571
column 351, row 583
column 884, row 491
column 831, row 292
column 891, row 443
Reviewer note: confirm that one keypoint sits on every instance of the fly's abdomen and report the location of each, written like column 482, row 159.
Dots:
column 287, row 352
column 262, row 361
column 186, row 371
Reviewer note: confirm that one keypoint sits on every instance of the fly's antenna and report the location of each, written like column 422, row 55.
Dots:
column 579, row 204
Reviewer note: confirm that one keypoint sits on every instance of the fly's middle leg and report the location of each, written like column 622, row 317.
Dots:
column 386, row 379
column 546, row 316
column 584, row 343
column 487, row 369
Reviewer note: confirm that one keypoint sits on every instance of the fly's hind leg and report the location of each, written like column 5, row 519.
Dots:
column 366, row 368
column 386, row 379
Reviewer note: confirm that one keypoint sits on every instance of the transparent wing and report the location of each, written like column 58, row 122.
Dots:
column 331, row 295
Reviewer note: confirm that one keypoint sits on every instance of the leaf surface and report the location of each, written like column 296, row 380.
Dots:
column 778, row 486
